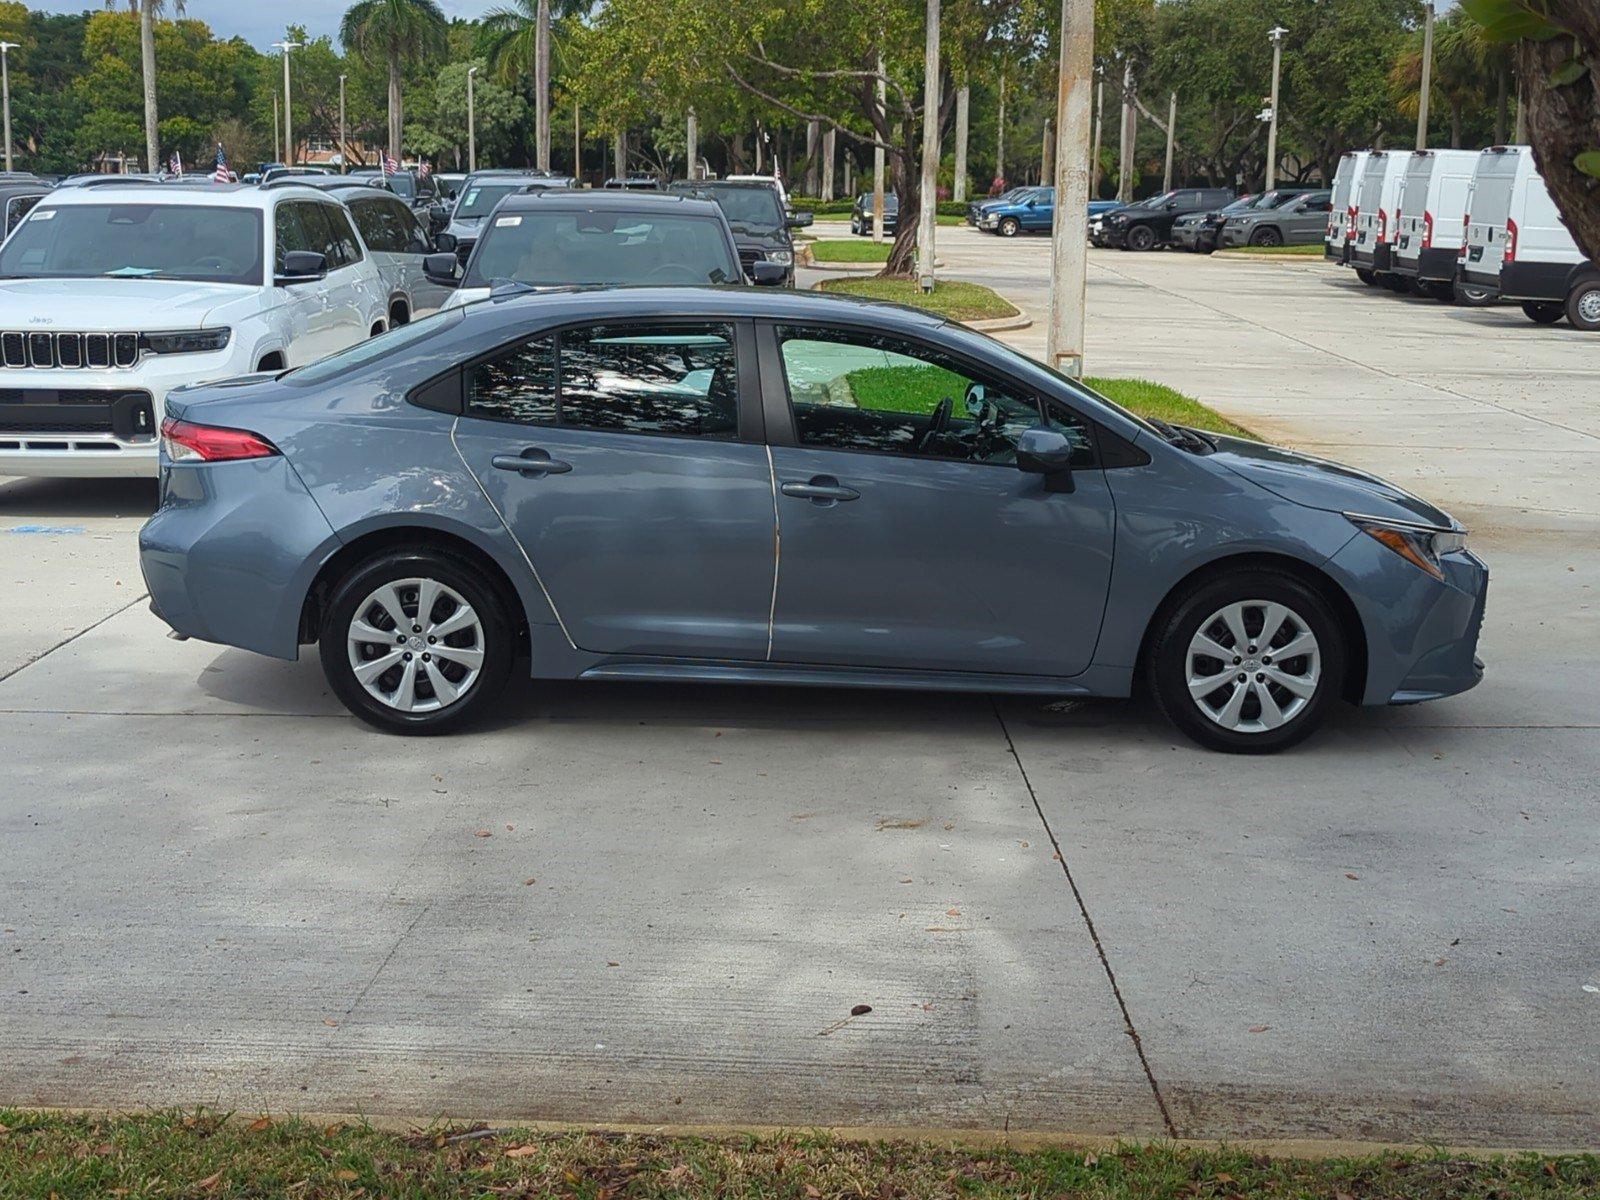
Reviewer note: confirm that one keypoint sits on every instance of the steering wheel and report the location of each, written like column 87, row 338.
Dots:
column 937, row 423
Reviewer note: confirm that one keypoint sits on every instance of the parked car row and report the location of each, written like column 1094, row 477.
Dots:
column 113, row 293
column 1473, row 227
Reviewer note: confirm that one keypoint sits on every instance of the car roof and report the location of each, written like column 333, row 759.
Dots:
column 517, row 177
column 612, row 201
column 216, row 195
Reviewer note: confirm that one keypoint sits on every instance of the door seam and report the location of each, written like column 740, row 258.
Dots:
column 511, row 533
column 777, row 553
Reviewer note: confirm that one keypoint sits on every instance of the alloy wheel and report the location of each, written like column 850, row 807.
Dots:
column 416, row 645
column 1253, row 666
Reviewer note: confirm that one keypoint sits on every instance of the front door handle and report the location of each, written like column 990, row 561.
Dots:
column 532, row 461
column 823, row 489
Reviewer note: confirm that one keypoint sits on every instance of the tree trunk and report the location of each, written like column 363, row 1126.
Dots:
column 1564, row 122
column 1455, row 124
column 908, row 187
column 395, row 110
column 147, row 59
column 812, row 186
column 541, row 85
column 1502, row 104
column 963, row 103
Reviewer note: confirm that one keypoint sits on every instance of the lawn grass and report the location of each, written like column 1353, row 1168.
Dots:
column 1159, row 401
column 853, row 250
column 210, row 1157
column 959, row 301
column 1312, row 251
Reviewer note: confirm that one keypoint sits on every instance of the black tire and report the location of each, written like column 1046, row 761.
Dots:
column 1583, row 306
column 1395, row 283
column 1444, row 293
column 498, row 643
column 1266, row 237
column 1470, row 296
column 1009, row 227
column 1367, row 276
column 1417, row 287
column 1167, row 663
column 1543, row 312
column 1140, row 238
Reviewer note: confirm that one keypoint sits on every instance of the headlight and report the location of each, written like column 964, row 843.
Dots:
column 1420, row 545
column 186, row 341
column 782, row 257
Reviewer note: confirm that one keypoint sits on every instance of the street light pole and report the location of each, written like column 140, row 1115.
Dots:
column 5, row 86
column 692, row 145
column 1172, row 133
column 288, row 119
column 472, row 123
column 1276, row 34
column 877, row 167
column 1099, row 124
column 963, row 127
column 928, row 209
column 1069, row 248
column 344, row 141
column 1427, row 78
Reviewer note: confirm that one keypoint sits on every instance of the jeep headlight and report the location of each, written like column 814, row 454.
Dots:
column 781, row 257
column 1420, row 545
column 186, row 341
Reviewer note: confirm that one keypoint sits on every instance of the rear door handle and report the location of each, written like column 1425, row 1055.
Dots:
column 820, row 488
column 531, row 461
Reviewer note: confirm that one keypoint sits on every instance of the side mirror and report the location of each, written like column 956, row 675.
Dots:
column 799, row 220
column 769, row 274
column 1045, row 451
column 441, row 268
column 302, row 266
column 445, row 241
column 1171, row 204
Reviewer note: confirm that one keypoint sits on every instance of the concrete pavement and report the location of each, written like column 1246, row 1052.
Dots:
column 652, row 904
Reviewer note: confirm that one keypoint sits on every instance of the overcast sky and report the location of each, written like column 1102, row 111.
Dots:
column 263, row 21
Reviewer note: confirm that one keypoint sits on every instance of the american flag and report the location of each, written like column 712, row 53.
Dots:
column 221, row 174
column 424, row 170
column 175, row 167
column 390, row 167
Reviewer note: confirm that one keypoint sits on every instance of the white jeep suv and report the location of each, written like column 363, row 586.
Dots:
column 113, row 294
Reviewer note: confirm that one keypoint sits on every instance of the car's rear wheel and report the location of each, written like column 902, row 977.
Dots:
column 1542, row 312
column 1266, row 237
column 1472, row 296
column 1141, row 237
column 1247, row 663
column 1010, row 227
column 1583, row 306
column 415, row 642
column 1367, row 276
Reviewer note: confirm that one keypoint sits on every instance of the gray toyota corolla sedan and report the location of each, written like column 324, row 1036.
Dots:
column 743, row 486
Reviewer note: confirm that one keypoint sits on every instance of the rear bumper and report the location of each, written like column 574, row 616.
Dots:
column 1489, row 280
column 1379, row 258
column 230, row 553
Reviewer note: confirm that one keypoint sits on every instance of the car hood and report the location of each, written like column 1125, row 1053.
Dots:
column 113, row 304
column 1318, row 483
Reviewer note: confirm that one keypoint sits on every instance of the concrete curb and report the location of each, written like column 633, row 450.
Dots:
column 804, row 258
column 1020, row 320
column 1299, row 260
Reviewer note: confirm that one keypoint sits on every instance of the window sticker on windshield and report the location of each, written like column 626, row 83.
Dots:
column 502, row 222
column 44, row 214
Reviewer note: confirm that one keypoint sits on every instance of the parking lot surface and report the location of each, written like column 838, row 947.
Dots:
column 629, row 903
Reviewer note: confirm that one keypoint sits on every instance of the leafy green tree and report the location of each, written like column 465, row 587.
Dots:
column 397, row 32
column 149, row 11
column 500, row 114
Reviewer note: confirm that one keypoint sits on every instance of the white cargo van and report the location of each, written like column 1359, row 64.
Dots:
column 1428, row 228
column 1375, row 217
column 1342, row 216
column 1517, row 242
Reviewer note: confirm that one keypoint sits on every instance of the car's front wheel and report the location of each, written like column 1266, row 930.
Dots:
column 1248, row 662
column 1010, row 227
column 1141, row 237
column 1266, row 237
column 415, row 642
column 1583, row 306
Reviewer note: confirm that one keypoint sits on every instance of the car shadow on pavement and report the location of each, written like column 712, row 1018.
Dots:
column 62, row 498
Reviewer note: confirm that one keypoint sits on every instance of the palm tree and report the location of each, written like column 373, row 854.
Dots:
column 148, row 10
column 519, row 45
column 398, row 31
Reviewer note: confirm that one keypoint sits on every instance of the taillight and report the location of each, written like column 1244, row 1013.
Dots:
column 186, row 442
column 1350, row 228
column 1383, row 226
column 1427, row 230
column 1511, row 240
column 1466, row 232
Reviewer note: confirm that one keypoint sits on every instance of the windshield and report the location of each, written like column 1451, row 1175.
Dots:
column 403, row 185
column 137, row 241
column 554, row 249
column 1242, row 203
column 479, row 199
column 747, row 208
column 374, row 348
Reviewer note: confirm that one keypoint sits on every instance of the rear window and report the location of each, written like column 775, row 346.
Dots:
column 362, row 354
column 577, row 248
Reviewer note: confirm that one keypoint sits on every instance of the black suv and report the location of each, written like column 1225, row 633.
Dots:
column 1148, row 224
column 861, row 214
column 756, row 215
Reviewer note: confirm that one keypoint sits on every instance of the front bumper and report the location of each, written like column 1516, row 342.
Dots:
column 231, row 552
column 1234, row 235
column 1421, row 634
